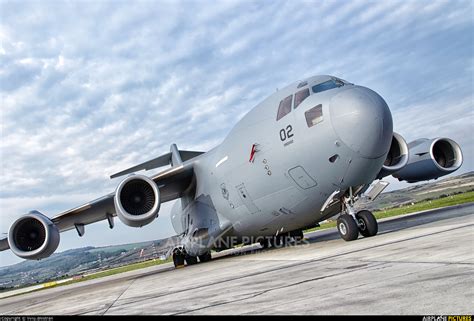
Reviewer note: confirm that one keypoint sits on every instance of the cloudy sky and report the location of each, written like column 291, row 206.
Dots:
column 91, row 87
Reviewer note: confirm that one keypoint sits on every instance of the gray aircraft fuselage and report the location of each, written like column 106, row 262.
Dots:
column 272, row 176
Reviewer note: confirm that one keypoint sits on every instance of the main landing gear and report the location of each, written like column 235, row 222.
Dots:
column 351, row 224
column 180, row 257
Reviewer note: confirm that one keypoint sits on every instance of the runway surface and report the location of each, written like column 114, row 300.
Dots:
column 417, row 264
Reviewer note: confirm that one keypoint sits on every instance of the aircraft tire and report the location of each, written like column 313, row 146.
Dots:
column 347, row 227
column 264, row 243
column 191, row 260
column 297, row 236
column 367, row 223
column 278, row 241
column 178, row 260
column 205, row 257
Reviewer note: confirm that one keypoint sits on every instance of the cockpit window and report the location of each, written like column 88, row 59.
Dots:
column 285, row 107
column 300, row 96
column 314, row 115
column 302, row 84
column 330, row 84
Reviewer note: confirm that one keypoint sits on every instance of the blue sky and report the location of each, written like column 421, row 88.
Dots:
column 91, row 87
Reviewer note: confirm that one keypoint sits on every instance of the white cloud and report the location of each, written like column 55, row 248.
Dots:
column 88, row 89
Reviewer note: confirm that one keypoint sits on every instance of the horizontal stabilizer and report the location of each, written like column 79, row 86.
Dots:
column 160, row 161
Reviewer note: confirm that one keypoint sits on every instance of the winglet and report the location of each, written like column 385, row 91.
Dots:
column 175, row 156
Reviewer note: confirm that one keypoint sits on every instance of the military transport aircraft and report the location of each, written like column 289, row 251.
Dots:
column 304, row 154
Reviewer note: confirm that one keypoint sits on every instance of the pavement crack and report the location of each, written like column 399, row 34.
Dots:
column 111, row 305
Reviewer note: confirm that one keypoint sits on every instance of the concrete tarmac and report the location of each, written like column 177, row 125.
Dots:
column 418, row 264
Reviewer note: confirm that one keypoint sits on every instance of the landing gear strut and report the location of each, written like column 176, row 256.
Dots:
column 350, row 224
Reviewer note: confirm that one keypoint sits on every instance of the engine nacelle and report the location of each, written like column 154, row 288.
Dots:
column 429, row 159
column 397, row 156
column 137, row 200
column 33, row 236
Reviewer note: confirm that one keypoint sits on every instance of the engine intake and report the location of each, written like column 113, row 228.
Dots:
column 397, row 156
column 33, row 236
column 430, row 159
column 137, row 201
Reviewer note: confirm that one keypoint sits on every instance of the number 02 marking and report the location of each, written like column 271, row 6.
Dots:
column 286, row 133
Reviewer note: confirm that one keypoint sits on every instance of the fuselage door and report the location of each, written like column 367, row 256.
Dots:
column 302, row 178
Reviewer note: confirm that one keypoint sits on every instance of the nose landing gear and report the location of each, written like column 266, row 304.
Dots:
column 350, row 224
column 367, row 223
column 347, row 227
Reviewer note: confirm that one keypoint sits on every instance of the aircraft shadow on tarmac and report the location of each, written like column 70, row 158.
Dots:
column 393, row 225
column 396, row 224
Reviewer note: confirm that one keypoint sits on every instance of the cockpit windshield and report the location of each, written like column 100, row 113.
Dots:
column 330, row 84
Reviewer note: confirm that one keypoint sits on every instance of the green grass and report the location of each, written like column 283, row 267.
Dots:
column 420, row 206
column 122, row 269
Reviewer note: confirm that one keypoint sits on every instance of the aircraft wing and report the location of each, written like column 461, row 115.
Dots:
column 172, row 182
column 4, row 244
column 160, row 161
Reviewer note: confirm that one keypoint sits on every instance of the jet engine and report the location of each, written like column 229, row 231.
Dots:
column 397, row 156
column 33, row 236
column 137, row 200
column 430, row 159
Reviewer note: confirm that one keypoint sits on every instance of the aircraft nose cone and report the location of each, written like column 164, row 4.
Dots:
column 362, row 120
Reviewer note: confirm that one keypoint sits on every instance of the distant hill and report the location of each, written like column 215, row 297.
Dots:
column 79, row 261
column 427, row 191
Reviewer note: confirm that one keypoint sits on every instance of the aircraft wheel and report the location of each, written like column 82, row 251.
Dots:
column 297, row 236
column 367, row 223
column 205, row 257
column 298, row 239
column 347, row 227
column 264, row 243
column 178, row 259
column 277, row 241
column 191, row 260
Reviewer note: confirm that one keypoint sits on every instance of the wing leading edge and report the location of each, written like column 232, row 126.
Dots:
column 171, row 182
